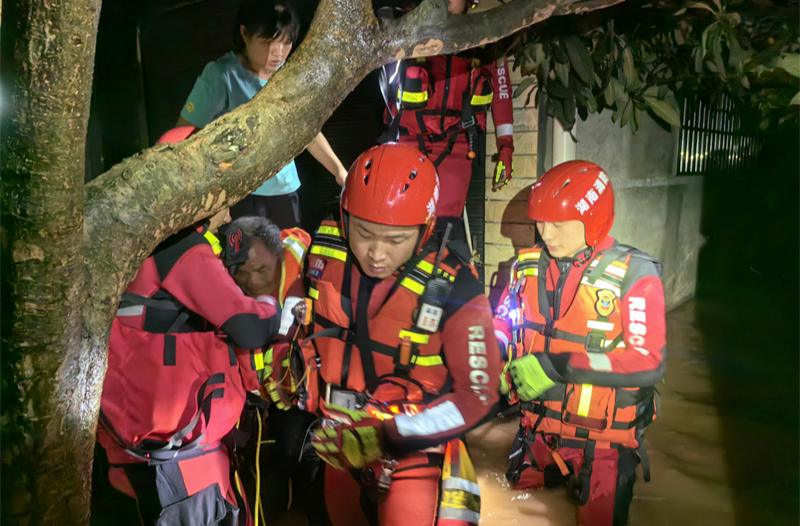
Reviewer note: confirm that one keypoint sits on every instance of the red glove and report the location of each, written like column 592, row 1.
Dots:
column 505, row 165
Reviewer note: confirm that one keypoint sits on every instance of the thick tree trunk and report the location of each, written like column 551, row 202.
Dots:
column 48, row 430
column 70, row 265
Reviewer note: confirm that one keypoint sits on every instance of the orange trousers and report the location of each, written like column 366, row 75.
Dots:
column 412, row 499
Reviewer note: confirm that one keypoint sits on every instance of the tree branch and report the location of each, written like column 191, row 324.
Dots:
column 430, row 30
column 146, row 198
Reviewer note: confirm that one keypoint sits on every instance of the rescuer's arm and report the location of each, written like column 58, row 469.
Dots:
column 200, row 282
column 473, row 361
column 644, row 333
column 503, row 115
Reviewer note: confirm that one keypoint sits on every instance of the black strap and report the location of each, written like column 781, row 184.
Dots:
column 347, row 307
column 169, row 350
column 130, row 299
column 642, row 451
column 363, row 339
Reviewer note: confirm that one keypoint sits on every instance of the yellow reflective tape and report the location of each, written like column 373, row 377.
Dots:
column 214, row 242
column 428, row 268
column 410, row 96
column 415, row 337
column 297, row 248
column 424, row 265
column 259, row 358
column 481, row 100
column 528, row 272
column 413, row 286
column 529, row 255
column 335, row 253
column 314, row 293
column 330, row 230
column 586, row 399
column 427, row 361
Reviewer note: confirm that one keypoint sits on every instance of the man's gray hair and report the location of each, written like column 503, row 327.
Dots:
column 255, row 227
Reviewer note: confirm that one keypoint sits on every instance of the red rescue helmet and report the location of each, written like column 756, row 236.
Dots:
column 392, row 184
column 575, row 190
column 177, row 134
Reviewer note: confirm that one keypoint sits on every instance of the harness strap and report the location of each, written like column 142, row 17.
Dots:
column 609, row 256
column 130, row 299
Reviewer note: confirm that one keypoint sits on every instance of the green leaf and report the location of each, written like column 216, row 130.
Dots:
column 651, row 92
column 662, row 91
column 665, row 110
column 626, row 114
column 678, row 37
column 745, row 82
column 698, row 60
column 562, row 72
column 619, row 91
column 545, row 70
column 608, row 93
column 699, row 5
column 796, row 99
column 720, row 65
column 591, row 105
column 790, row 63
column 579, row 58
column 525, row 84
column 679, row 12
column 628, row 67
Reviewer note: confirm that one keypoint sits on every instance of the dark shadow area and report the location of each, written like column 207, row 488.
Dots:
column 747, row 311
column 521, row 231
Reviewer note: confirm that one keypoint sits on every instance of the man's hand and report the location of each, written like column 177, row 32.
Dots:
column 350, row 439
column 530, row 380
column 504, row 170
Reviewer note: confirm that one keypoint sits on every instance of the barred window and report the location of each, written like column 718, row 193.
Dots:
column 715, row 138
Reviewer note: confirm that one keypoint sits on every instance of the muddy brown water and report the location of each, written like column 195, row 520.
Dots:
column 689, row 473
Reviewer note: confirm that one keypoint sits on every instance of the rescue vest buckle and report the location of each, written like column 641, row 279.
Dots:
column 595, row 342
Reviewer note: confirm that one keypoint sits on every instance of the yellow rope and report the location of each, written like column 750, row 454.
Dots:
column 258, row 473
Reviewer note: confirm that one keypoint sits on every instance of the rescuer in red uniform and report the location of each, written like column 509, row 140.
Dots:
column 402, row 361
column 438, row 104
column 185, row 347
column 583, row 328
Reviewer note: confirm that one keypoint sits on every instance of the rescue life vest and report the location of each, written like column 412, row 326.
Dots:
column 341, row 353
column 573, row 413
column 439, row 98
column 295, row 245
column 174, row 387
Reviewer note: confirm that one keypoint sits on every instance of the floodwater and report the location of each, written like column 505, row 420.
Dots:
column 687, row 460
column 690, row 462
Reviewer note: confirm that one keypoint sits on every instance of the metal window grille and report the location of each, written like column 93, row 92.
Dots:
column 715, row 138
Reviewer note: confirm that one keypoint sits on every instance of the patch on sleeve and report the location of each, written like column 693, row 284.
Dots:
column 190, row 106
column 316, row 266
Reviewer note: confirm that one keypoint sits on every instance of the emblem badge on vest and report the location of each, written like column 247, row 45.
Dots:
column 605, row 303
column 316, row 268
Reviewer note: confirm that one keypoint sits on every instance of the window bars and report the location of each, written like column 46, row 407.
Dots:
column 714, row 138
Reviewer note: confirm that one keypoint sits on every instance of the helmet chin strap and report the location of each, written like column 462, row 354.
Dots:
column 580, row 258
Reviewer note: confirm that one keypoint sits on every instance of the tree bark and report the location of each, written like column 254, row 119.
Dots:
column 48, row 60
column 70, row 263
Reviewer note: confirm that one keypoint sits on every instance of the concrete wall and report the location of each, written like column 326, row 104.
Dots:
column 656, row 211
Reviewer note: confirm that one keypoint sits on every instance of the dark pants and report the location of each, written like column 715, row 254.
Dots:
column 284, row 436
column 283, row 210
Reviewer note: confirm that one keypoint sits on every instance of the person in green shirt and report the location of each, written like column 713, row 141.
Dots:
column 265, row 34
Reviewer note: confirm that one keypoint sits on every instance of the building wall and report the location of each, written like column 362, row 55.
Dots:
column 656, row 211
